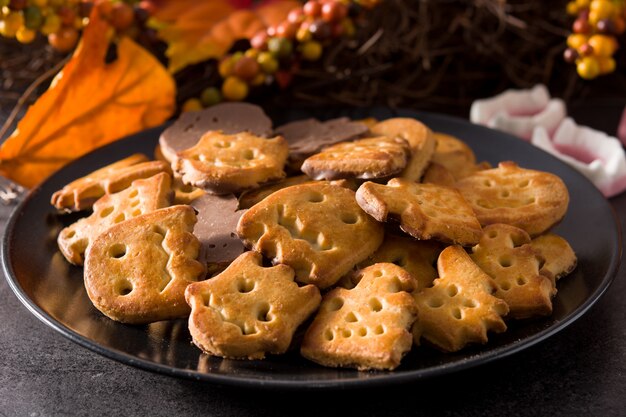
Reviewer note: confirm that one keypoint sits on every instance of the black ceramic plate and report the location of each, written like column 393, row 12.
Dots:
column 53, row 290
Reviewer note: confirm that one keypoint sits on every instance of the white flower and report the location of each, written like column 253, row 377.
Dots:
column 519, row 112
column 595, row 154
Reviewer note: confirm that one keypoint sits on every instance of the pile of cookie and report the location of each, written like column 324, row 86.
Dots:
column 395, row 236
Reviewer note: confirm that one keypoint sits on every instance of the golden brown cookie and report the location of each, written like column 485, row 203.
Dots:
column 420, row 139
column 137, row 271
column 251, row 197
column 83, row 192
column 141, row 197
column 367, row 327
column 317, row 229
column 439, row 175
column 459, row 308
column 378, row 157
column 455, row 155
column 558, row 257
column 417, row 257
column 248, row 310
column 425, row 211
column 531, row 200
column 223, row 164
column 185, row 193
column 505, row 254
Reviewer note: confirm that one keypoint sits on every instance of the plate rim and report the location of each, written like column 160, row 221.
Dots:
column 383, row 378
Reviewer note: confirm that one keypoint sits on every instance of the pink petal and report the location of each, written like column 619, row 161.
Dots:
column 512, row 102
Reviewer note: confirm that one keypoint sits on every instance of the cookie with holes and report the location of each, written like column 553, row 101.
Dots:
column 141, row 197
column 531, row 200
column 415, row 256
column 559, row 259
column 459, row 309
column 317, row 228
column 505, row 254
column 223, row 164
column 137, row 271
column 367, row 327
column 82, row 193
column 379, row 157
column 249, row 310
column 425, row 211
column 419, row 137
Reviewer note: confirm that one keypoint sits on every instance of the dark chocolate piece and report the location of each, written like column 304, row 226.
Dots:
column 216, row 228
column 309, row 136
column 230, row 118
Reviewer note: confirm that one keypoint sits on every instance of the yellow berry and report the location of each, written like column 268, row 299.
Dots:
column 268, row 63
column 192, row 104
column 234, row 89
column 51, row 24
column 25, row 35
column 303, row 34
column 606, row 65
column 40, row 3
column 582, row 3
column 252, row 53
column 311, row 51
column 576, row 40
column 588, row 67
column 603, row 45
column 226, row 66
column 572, row 8
column 258, row 80
column 12, row 23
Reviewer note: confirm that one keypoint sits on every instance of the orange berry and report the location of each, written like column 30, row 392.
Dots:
column 606, row 65
column 234, row 89
column 603, row 45
column 246, row 68
column 192, row 104
column 64, row 40
column 226, row 66
column 576, row 40
column 311, row 51
column 122, row 16
column 25, row 35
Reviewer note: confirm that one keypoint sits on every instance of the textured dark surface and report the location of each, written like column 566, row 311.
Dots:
column 579, row 371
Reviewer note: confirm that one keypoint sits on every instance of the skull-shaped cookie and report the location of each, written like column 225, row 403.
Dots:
column 223, row 164
column 531, row 200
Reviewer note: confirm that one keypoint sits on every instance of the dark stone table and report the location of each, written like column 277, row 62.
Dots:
column 580, row 371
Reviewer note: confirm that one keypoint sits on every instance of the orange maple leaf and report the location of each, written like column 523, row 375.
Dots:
column 199, row 30
column 89, row 104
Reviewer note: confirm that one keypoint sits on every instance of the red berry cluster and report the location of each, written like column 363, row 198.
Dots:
column 276, row 52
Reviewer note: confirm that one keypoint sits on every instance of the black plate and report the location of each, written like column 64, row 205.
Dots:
column 53, row 290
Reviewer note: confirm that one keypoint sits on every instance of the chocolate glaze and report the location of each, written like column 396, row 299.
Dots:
column 229, row 117
column 308, row 136
column 216, row 228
